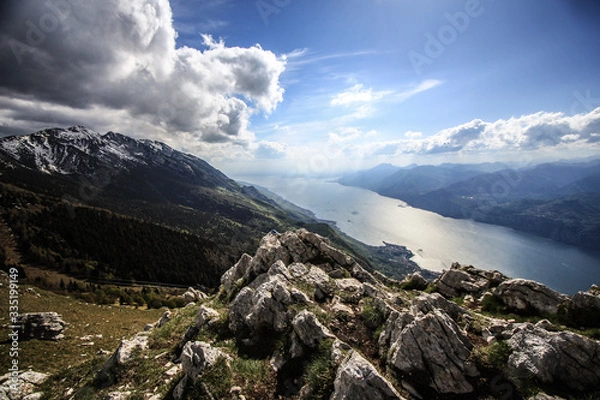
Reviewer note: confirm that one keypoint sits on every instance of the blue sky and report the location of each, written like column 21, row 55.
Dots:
column 505, row 59
column 329, row 85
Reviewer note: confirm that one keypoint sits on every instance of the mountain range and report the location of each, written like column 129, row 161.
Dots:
column 558, row 200
column 108, row 207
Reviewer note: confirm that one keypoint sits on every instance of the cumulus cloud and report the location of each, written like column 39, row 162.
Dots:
column 116, row 64
column 535, row 132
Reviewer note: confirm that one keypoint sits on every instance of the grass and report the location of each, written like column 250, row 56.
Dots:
column 114, row 323
column 319, row 373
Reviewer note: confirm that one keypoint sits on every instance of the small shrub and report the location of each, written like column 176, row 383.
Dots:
column 493, row 304
column 319, row 373
column 371, row 315
column 431, row 288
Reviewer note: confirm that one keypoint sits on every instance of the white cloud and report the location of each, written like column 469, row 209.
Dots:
column 115, row 64
column 270, row 150
column 357, row 94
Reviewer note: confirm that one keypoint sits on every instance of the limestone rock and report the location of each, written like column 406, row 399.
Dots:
column 525, row 295
column 584, row 308
column 125, row 352
column 562, row 358
column 197, row 357
column 233, row 274
column 26, row 385
column 357, row 379
column 166, row 317
column 309, row 330
column 426, row 303
column 434, row 348
column 42, row 326
column 193, row 295
column 414, row 281
column 461, row 280
column 266, row 307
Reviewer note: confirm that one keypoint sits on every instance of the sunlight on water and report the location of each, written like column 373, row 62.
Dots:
column 438, row 241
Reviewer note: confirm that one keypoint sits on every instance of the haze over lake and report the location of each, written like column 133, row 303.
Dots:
column 438, row 241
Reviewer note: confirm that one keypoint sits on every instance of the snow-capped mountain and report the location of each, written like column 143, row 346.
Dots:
column 78, row 150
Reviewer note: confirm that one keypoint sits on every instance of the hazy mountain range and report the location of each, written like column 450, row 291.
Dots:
column 558, row 200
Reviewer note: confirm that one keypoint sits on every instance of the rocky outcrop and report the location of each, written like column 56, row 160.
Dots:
column 560, row 358
column 313, row 322
column 460, row 280
column 196, row 358
column 414, row 281
column 41, row 326
column 529, row 296
column 584, row 308
column 432, row 348
column 25, row 386
column 192, row 295
column 309, row 330
column 357, row 379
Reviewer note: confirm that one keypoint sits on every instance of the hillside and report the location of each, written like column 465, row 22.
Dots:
column 301, row 319
column 112, row 209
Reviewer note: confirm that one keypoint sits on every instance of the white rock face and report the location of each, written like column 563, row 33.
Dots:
column 525, row 295
column 358, row 379
column 197, row 357
column 309, row 330
column 563, row 358
column 433, row 347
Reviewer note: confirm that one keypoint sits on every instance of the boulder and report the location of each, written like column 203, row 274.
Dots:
column 25, row 386
column 238, row 271
column 197, row 357
column 309, row 330
column 414, row 281
column 564, row 359
column 529, row 296
column 461, row 280
column 427, row 303
column 584, row 308
column 264, row 308
column 192, row 295
column 41, row 326
column 358, row 379
column 125, row 351
column 166, row 317
column 435, row 350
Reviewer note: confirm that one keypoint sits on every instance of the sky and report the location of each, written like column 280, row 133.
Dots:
column 311, row 87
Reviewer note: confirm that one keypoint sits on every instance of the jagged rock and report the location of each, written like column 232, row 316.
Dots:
column 394, row 325
column 197, row 357
column 193, row 295
column 350, row 289
column 427, row 303
column 238, row 271
column 525, row 295
column 266, row 307
column 22, row 388
column 369, row 290
column 461, row 280
column 584, row 308
column 204, row 316
column 41, row 326
column 414, row 281
column 339, row 351
column 166, row 317
column 309, row 330
column 357, row 379
column 562, row 358
column 125, row 352
column 435, row 349
column 358, row 272
column 314, row 277
column 544, row 396
column 337, row 307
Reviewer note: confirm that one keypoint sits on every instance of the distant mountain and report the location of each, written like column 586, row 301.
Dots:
column 495, row 194
column 410, row 182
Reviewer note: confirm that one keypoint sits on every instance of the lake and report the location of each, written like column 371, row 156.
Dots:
column 438, row 241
